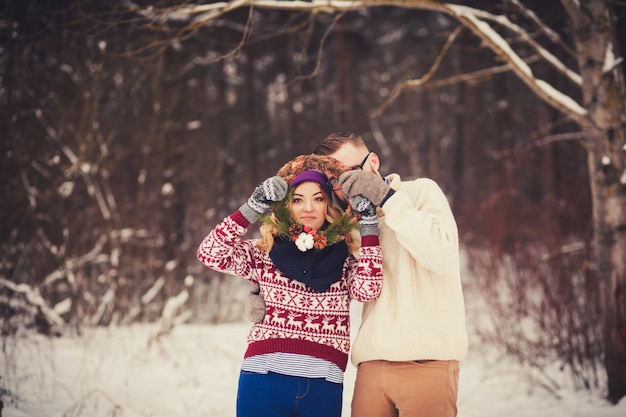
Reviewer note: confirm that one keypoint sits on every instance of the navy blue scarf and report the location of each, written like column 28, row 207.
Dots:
column 317, row 269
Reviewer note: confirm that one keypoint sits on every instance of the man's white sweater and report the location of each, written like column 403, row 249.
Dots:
column 420, row 313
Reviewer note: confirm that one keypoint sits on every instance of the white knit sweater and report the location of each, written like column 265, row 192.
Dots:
column 420, row 313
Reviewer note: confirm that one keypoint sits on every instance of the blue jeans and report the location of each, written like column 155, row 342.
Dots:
column 277, row 395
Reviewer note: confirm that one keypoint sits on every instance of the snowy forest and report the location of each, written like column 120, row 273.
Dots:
column 130, row 128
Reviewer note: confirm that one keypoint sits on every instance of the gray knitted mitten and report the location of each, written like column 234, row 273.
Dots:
column 369, row 218
column 255, row 305
column 272, row 189
column 367, row 184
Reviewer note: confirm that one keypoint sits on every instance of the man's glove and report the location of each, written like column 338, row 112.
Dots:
column 255, row 305
column 272, row 189
column 368, row 219
column 367, row 184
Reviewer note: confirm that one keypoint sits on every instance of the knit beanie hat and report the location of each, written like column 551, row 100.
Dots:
column 312, row 175
column 328, row 165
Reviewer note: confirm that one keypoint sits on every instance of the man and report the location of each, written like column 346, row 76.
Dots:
column 413, row 336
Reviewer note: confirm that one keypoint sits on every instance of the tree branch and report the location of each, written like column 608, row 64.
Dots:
column 499, row 46
column 468, row 77
column 523, row 34
column 420, row 81
column 320, row 50
column 469, row 17
column 34, row 298
column 552, row 35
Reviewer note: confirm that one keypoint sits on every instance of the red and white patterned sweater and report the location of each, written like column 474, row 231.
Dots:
column 298, row 319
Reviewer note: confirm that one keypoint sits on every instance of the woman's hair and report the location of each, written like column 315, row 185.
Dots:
column 333, row 212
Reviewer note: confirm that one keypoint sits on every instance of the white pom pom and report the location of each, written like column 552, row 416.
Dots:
column 304, row 241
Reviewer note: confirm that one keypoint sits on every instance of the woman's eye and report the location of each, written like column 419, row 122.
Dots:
column 319, row 199
column 296, row 200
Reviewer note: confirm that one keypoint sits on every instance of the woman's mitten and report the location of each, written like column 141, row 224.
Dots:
column 270, row 190
column 368, row 219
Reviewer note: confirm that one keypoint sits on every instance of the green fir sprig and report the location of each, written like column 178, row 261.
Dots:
column 288, row 226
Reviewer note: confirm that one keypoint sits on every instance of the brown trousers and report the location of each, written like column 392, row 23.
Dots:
column 406, row 389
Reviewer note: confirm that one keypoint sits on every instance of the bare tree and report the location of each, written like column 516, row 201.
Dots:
column 598, row 109
column 126, row 123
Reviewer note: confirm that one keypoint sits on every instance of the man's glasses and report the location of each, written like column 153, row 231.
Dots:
column 334, row 182
column 362, row 164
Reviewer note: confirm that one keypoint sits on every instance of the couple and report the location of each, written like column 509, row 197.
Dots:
column 406, row 271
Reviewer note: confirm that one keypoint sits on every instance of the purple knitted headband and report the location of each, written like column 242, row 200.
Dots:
column 315, row 176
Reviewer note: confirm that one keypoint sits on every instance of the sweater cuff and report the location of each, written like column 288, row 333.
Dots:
column 369, row 230
column 371, row 240
column 249, row 213
column 240, row 219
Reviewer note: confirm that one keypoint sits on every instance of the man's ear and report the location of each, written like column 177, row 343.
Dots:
column 374, row 161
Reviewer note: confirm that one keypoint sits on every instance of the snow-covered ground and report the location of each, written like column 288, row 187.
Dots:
column 193, row 371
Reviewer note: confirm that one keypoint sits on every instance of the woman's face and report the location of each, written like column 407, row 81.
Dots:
column 309, row 205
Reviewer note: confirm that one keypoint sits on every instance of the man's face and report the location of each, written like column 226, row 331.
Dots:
column 350, row 155
column 354, row 157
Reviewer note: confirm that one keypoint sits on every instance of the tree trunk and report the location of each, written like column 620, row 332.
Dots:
column 609, row 248
column 603, row 97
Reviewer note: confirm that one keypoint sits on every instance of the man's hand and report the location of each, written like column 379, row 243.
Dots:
column 365, row 183
column 255, row 305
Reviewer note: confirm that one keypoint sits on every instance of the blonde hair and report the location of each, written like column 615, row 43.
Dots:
column 333, row 212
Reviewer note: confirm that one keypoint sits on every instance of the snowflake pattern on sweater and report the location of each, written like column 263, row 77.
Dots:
column 298, row 319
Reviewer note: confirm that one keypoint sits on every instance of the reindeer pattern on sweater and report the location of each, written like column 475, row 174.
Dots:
column 297, row 319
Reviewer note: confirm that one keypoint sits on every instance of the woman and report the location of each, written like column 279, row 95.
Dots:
column 297, row 354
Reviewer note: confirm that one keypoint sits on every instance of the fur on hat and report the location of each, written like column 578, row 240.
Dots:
column 331, row 167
